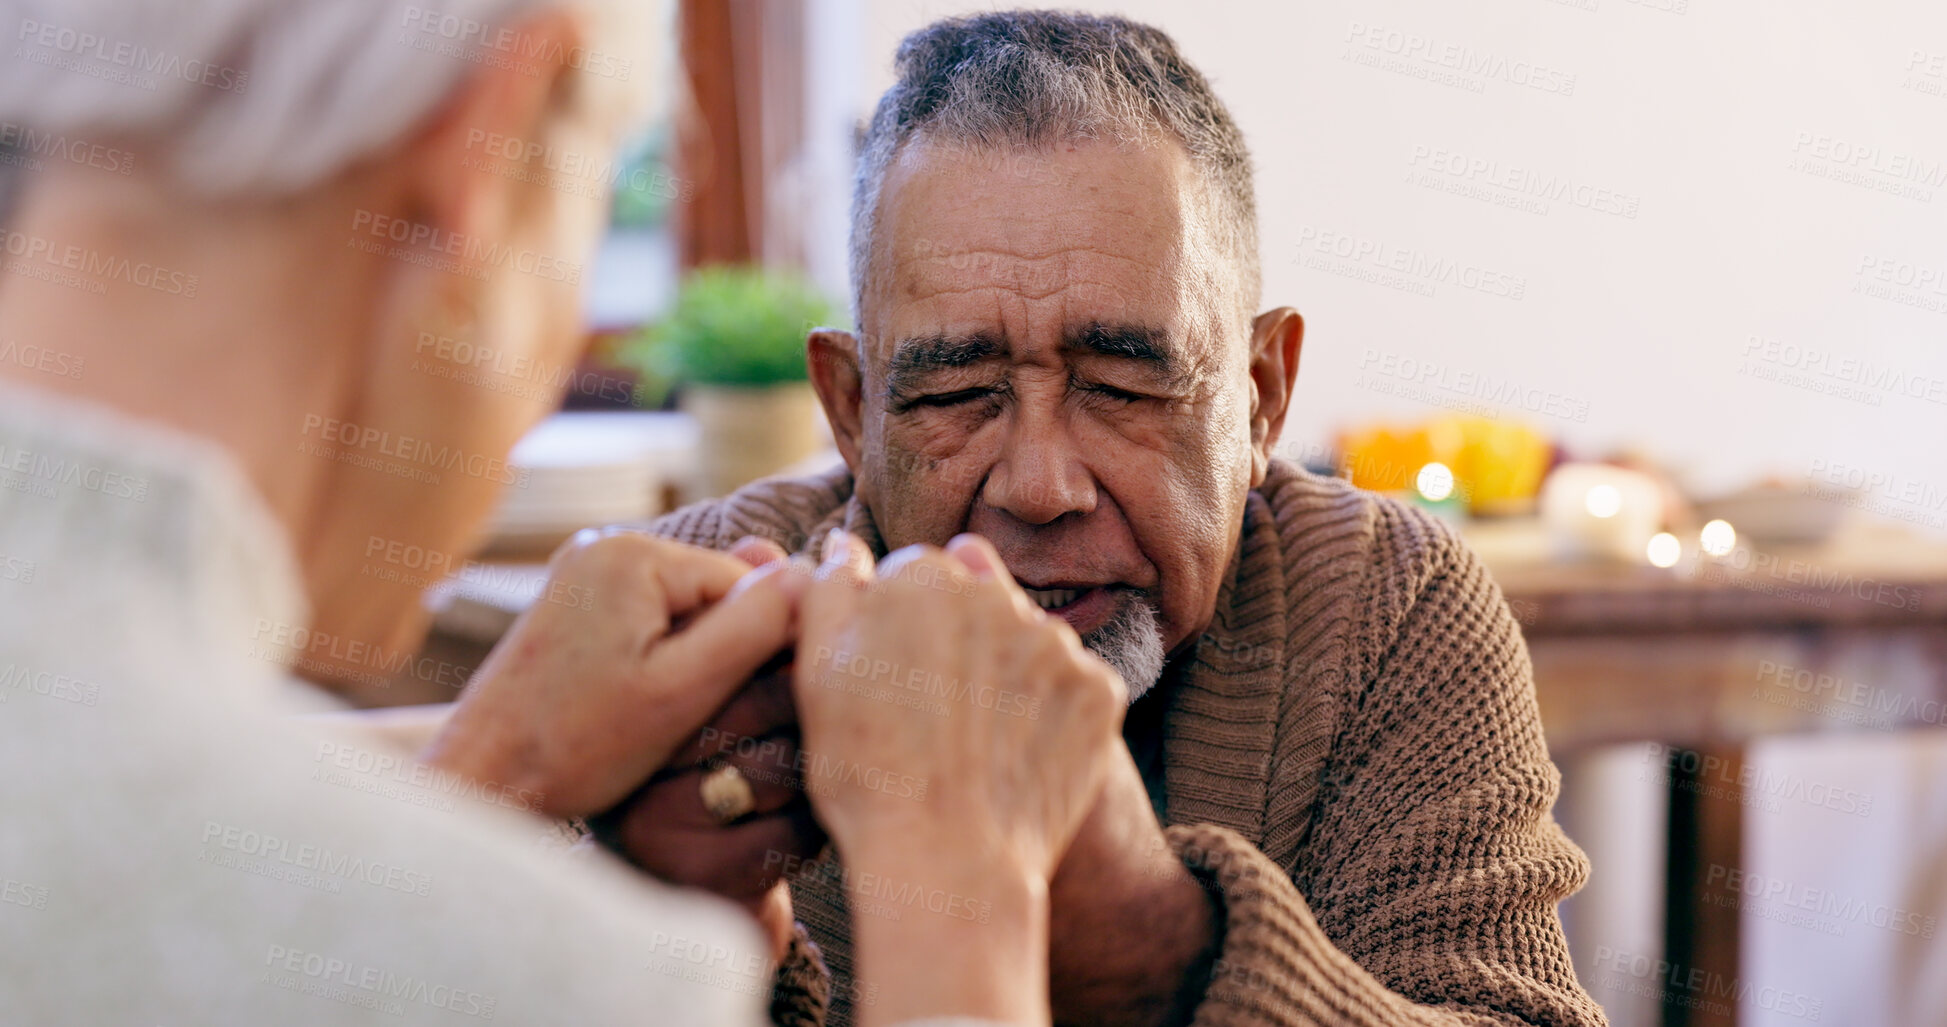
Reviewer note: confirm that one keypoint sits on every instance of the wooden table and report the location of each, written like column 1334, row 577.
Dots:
column 1708, row 656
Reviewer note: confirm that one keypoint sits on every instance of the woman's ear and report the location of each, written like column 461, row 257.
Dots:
column 832, row 356
column 470, row 159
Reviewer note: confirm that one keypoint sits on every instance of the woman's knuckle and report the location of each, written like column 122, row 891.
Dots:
column 1097, row 691
column 576, row 549
column 615, row 549
column 1113, row 690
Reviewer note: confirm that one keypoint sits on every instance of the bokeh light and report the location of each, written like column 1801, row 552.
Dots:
column 1718, row 538
column 1435, row 482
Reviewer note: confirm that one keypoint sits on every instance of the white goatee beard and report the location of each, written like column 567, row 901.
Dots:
column 1132, row 643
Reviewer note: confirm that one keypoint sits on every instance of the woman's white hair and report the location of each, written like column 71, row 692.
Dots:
column 265, row 96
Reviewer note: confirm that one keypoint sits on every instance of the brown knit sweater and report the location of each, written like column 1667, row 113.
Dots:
column 1353, row 757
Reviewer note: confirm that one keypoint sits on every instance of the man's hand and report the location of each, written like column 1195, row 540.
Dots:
column 1134, row 932
column 580, row 704
column 665, row 829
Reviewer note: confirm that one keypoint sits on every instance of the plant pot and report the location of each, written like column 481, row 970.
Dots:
column 747, row 432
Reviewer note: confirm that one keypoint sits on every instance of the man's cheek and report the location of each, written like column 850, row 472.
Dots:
column 1203, row 491
column 926, row 497
column 1167, row 428
column 926, row 438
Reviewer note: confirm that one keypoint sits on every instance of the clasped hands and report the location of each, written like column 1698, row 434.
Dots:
column 616, row 710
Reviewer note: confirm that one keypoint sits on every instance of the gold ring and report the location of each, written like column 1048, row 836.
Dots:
column 726, row 794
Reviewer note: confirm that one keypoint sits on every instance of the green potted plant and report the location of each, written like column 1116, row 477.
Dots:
column 734, row 344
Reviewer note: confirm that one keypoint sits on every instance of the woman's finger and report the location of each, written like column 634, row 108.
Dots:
column 696, row 670
column 693, row 578
column 757, row 550
column 846, row 557
column 979, row 556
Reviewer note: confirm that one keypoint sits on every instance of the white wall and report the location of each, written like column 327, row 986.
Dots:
column 1711, row 123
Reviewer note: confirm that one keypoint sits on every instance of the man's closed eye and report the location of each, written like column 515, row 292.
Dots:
column 1111, row 392
column 958, row 397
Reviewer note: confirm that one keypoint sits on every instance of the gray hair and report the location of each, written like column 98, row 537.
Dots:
column 254, row 96
column 1009, row 79
column 1132, row 643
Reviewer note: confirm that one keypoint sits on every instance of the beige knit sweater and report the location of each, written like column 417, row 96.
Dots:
column 1353, row 757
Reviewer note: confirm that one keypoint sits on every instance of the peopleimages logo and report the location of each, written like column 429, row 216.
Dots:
column 414, row 452
column 415, row 566
column 1820, row 902
column 1926, row 72
column 513, row 373
column 1879, row 492
column 13, row 568
column 1708, row 771
column 368, row 986
column 1903, row 282
column 27, row 143
column 392, row 767
column 889, row 893
column 1844, row 368
column 1854, row 701
column 841, row 668
column 576, row 165
column 1904, row 273
column 15, row 677
column 1421, row 56
column 1523, row 183
column 1696, row 988
column 59, row 471
column 470, row 255
column 451, row 28
column 224, row 843
column 1842, row 152
column 40, row 358
column 349, row 659
column 1816, row 582
column 1500, row 392
column 75, row 45
column 95, row 264
column 20, row 893
column 1406, row 267
column 767, row 760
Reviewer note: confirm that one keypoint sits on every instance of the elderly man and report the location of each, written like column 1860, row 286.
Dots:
column 1055, row 261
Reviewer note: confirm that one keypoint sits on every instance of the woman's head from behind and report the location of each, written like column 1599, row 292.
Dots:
column 343, row 238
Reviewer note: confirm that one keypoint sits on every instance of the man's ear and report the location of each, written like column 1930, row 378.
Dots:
column 1277, row 337
column 833, row 358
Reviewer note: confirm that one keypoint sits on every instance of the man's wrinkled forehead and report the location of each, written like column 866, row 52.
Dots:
column 1088, row 232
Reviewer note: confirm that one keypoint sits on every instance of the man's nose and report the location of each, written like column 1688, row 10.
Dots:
column 1040, row 475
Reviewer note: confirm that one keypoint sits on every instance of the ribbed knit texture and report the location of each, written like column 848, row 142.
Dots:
column 802, row 989
column 1355, row 745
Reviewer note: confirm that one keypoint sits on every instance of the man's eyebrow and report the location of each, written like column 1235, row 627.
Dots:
column 913, row 358
column 1150, row 345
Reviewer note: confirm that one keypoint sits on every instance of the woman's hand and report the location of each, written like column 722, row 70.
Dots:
column 957, row 737
column 936, row 669
column 634, row 644
column 665, row 829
